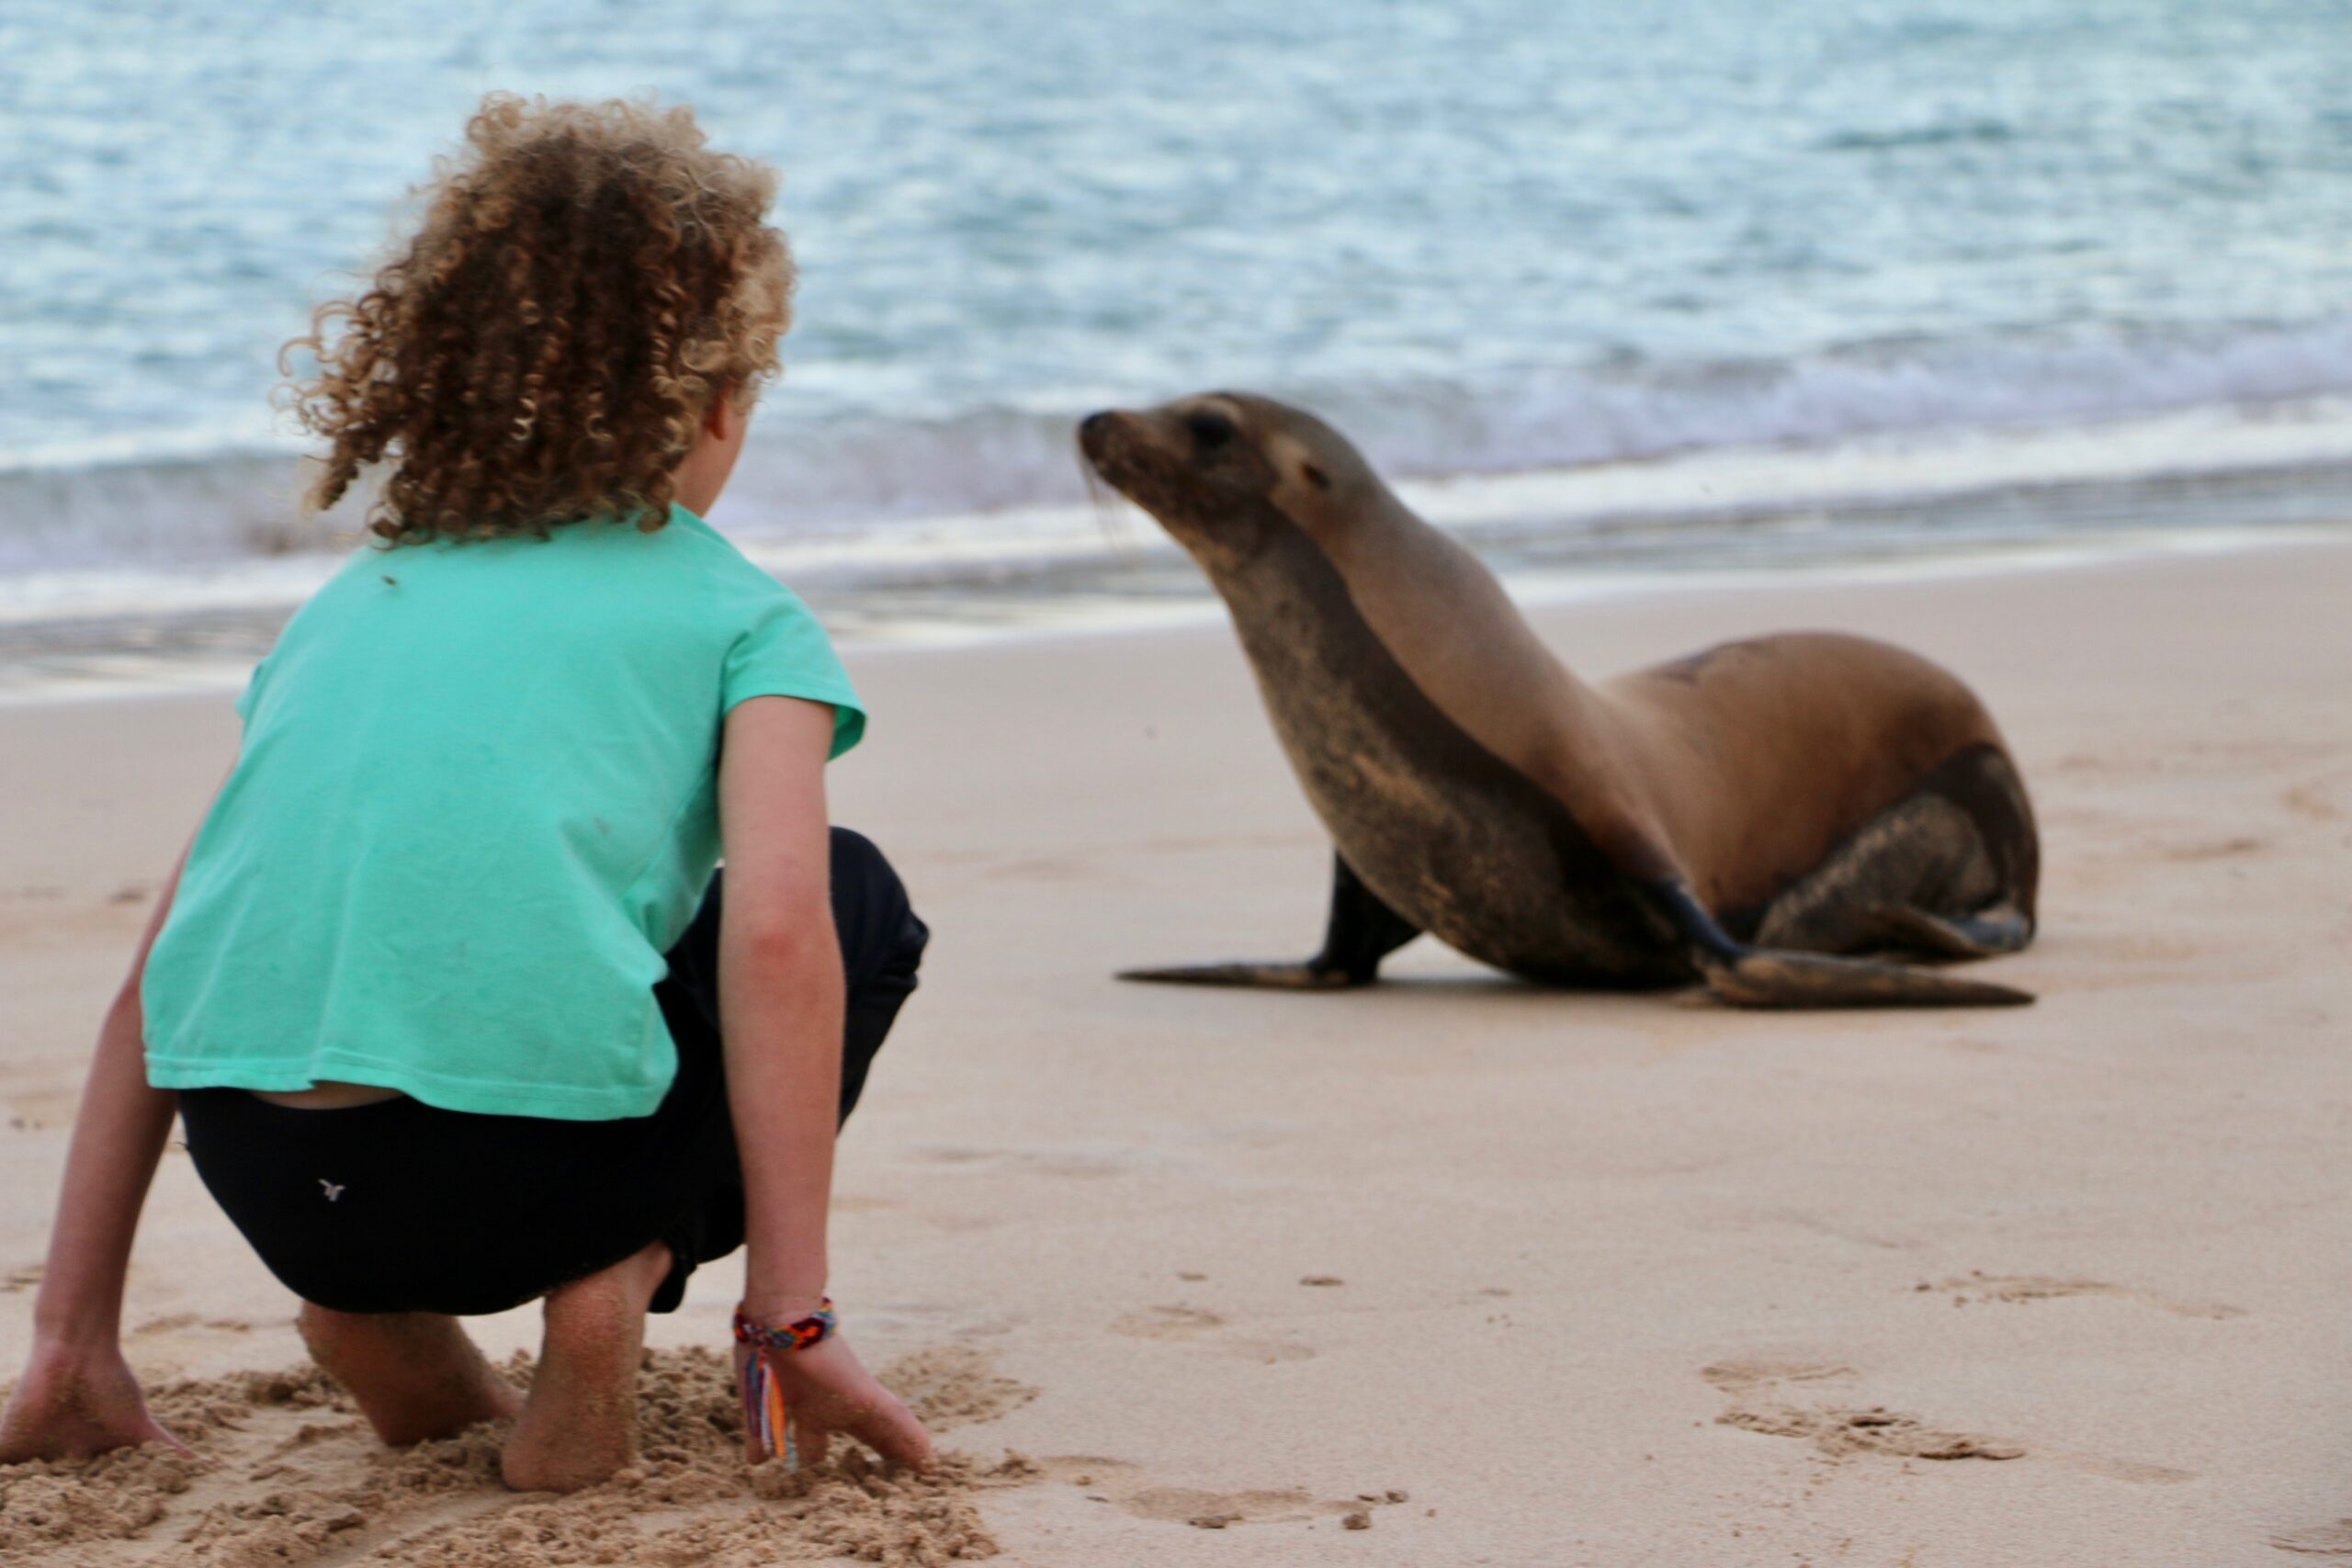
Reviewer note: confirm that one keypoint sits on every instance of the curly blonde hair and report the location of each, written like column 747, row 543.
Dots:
column 586, row 278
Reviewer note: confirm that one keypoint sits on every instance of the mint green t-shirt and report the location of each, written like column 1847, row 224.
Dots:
column 476, row 803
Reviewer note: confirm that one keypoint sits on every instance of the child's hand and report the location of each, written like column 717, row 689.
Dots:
column 826, row 1390
column 75, row 1401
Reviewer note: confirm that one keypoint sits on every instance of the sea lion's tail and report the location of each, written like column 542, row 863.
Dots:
column 1763, row 977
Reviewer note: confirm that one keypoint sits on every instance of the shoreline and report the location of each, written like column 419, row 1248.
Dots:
column 78, row 590
column 197, row 652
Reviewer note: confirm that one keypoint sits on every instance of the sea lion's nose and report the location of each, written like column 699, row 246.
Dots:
column 1093, row 425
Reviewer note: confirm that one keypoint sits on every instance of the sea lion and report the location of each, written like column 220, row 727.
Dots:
column 1750, row 817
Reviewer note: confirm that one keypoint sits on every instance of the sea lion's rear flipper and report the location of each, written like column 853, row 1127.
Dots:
column 1765, row 977
column 1985, row 934
column 1779, row 977
column 1362, row 931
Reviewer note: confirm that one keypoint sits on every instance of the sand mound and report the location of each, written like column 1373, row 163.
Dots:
column 286, row 1473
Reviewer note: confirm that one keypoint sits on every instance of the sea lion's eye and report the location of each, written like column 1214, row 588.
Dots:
column 1314, row 476
column 1210, row 429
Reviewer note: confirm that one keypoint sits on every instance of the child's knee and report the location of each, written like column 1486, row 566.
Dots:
column 880, row 932
column 859, row 866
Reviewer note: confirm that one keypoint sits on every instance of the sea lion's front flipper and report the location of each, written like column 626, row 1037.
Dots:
column 1778, row 978
column 1362, row 931
column 1269, row 976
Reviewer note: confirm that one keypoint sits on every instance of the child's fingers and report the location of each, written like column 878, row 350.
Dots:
column 892, row 1431
column 155, row 1433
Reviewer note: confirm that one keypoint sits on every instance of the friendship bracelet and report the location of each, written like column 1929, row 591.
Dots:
column 765, row 1416
column 802, row 1334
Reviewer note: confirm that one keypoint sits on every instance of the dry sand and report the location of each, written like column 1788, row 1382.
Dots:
column 1455, row 1271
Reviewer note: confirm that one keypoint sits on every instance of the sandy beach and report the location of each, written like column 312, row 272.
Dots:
column 1452, row 1271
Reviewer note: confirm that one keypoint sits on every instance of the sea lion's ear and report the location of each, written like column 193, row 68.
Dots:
column 1294, row 462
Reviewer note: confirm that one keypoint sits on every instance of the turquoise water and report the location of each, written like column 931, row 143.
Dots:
column 1492, row 235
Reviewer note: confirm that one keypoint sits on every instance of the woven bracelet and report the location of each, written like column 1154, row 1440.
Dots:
column 765, row 1416
column 803, row 1333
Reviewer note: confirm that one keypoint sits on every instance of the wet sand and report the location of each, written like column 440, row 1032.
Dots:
column 1585, row 1280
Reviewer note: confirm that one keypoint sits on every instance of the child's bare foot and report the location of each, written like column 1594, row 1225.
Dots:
column 415, row 1374
column 580, row 1424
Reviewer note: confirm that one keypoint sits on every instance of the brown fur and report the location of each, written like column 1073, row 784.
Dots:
column 1765, row 758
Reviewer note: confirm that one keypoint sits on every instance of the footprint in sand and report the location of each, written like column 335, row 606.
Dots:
column 1127, row 1486
column 1756, row 1389
column 2318, row 1540
column 1186, row 1323
column 1168, row 1322
column 1764, row 1396
column 1979, row 1286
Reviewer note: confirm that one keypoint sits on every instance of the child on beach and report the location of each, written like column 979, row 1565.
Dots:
column 444, row 989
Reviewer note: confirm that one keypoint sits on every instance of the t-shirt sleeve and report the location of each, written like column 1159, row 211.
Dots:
column 784, row 652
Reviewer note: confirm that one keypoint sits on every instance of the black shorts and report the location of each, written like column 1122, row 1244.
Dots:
column 399, row 1206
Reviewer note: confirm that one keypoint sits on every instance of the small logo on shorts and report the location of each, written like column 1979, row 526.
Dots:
column 333, row 1189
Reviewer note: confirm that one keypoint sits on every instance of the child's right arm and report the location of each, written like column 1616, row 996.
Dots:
column 780, row 987
column 77, row 1395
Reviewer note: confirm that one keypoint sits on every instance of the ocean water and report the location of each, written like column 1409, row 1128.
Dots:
column 1677, row 284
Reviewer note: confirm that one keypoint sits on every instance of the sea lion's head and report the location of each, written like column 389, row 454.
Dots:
column 1222, row 472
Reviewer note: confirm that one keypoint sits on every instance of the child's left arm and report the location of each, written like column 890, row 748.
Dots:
column 77, row 1395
